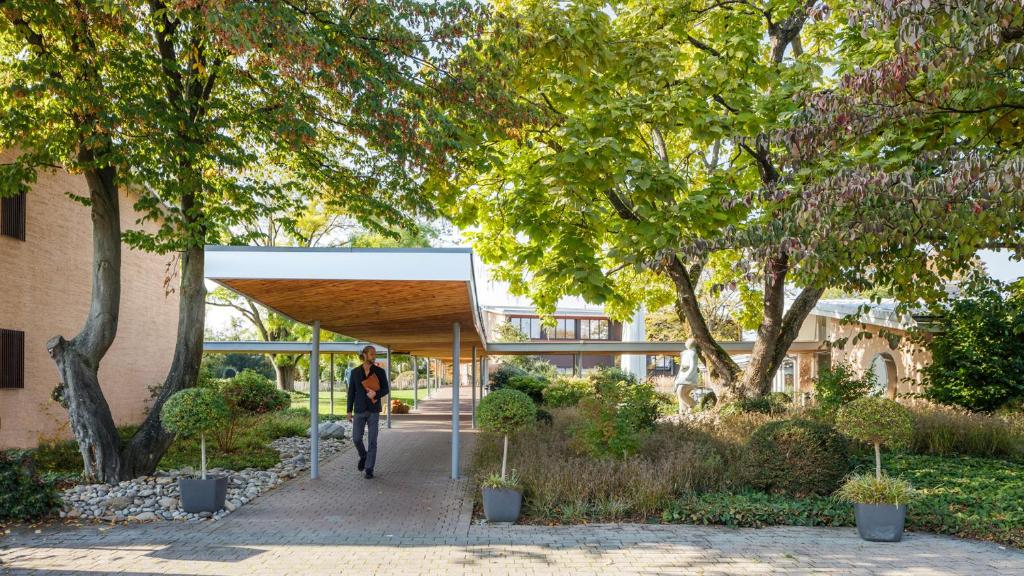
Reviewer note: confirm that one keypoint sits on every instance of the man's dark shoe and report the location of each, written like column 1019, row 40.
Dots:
column 362, row 464
column 369, row 473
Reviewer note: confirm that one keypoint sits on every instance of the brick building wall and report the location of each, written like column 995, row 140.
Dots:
column 45, row 283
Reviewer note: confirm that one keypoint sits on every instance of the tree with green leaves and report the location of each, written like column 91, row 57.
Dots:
column 978, row 355
column 655, row 140
column 213, row 115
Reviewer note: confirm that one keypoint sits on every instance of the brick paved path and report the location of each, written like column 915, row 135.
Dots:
column 412, row 520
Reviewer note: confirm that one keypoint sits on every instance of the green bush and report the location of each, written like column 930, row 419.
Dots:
column 194, row 412
column 876, row 421
column 565, row 392
column 506, row 411
column 796, row 457
column 840, row 385
column 617, row 418
column 529, row 384
column 251, row 393
column 978, row 358
column 23, row 494
column 775, row 403
column 501, row 375
column 708, row 401
column 248, row 394
column 608, row 375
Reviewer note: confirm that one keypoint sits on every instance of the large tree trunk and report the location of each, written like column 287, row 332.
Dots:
column 779, row 328
column 722, row 370
column 285, row 376
column 149, row 444
column 78, row 359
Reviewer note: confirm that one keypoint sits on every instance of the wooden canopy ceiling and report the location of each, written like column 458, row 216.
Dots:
column 412, row 317
column 408, row 302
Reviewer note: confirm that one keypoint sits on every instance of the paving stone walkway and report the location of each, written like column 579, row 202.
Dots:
column 412, row 520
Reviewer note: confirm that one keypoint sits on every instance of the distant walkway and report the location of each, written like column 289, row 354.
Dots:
column 412, row 519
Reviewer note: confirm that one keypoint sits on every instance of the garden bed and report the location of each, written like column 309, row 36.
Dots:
column 266, row 450
column 692, row 472
column 150, row 498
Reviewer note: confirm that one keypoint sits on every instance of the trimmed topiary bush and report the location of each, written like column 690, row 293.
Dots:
column 195, row 412
column 877, row 421
column 796, row 457
column 23, row 494
column 504, row 412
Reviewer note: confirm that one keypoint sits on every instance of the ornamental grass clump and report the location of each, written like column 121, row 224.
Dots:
column 877, row 421
column 506, row 411
column 869, row 489
column 194, row 412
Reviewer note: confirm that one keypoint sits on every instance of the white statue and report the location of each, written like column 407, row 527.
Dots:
column 686, row 379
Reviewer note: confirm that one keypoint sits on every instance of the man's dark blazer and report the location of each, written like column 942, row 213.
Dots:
column 358, row 401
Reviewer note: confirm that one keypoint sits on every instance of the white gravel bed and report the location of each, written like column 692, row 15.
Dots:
column 150, row 498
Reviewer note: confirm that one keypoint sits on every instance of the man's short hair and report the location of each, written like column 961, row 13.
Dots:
column 362, row 353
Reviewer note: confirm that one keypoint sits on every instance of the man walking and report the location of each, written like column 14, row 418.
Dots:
column 368, row 387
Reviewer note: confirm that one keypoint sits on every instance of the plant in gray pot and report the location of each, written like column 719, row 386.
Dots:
column 189, row 413
column 504, row 411
column 879, row 500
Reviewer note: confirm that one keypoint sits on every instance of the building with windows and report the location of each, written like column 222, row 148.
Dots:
column 46, row 260
column 584, row 323
column 838, row 331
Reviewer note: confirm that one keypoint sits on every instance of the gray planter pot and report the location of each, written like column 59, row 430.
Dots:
column 502, row 504
column 880, row 522
column 199, row 495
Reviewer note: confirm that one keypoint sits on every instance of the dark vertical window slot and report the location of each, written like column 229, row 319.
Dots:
column 12, row 216
column 12, row 359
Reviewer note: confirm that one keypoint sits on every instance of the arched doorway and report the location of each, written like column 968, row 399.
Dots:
column 886, row 379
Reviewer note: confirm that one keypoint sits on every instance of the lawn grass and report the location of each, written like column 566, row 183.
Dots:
column 301, row 400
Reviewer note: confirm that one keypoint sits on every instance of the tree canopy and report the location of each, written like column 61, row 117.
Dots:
column 215, row 114
column 650, row 141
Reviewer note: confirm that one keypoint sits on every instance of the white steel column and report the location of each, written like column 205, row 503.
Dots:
column 314, row 404
column 387, row 370
column 483, row 374
column 472, row 386
column 415, row 381
column 332, row 383
column 456, row 344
